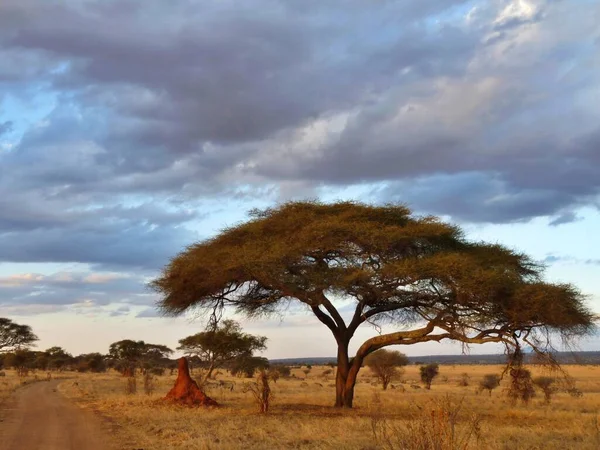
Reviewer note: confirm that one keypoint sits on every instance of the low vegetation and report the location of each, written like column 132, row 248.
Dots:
column 300, row 414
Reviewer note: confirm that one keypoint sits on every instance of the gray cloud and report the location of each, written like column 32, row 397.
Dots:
column 148, row 313
column 481, row 111
column 79, row 291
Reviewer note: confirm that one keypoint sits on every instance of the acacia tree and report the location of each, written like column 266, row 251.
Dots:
column 221, row 345
column 130, row 354
column 14, row 336
column 385, row 364
column 415, row 273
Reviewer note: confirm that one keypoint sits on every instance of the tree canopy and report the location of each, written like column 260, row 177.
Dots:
column 131, row 354
column 14, row 336
column 418, row 274
column 221, row 345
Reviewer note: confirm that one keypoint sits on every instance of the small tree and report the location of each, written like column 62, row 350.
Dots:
column 221, row 345
column 428, row 373
column 489, row 382
column 248, row 365
column 14, row 336
column 547, row 385
column 386, row 364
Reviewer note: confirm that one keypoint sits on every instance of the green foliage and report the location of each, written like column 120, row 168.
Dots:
column 428, row 373
column 224, row 344
column 385, row 365
column 14, row 336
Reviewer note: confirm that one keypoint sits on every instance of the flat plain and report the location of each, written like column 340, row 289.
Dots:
column 301, row 415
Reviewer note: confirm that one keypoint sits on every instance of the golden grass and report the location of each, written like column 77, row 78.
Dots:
column 301, row 417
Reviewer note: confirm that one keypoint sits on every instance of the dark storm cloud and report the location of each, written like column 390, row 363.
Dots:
column 477, row 110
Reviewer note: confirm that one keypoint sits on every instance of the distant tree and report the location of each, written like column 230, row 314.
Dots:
column 220, row 346
column 386, row 364
column 21, row 360
column 398, row 268
column 283, row 370
column 58, row 358
column 248, row 365
column 130, row 355
column 91, row 362
column 547, row 385
column 428, row 373
column 14, row 336
column 489, row 382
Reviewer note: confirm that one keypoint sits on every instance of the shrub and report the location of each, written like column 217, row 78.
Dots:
column 131, row 386
column 521, row 385
column 547, row 385
column 148, row 383
column 428, row 373
column 464, row 380
column 261, row 391
column 438, row 426
column 490, row 382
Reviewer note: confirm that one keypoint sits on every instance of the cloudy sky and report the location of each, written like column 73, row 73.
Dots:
column 130, row 129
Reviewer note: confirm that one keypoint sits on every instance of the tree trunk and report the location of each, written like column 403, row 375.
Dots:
column 209, row 372
column 345, row 379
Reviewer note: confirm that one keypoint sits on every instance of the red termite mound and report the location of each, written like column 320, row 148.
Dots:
column 186, row 390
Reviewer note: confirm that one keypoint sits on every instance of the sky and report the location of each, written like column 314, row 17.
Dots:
column 130, row 129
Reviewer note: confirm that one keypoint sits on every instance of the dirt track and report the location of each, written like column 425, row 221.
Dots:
column 40, row 418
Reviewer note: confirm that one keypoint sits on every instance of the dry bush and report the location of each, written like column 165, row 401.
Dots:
column 131, row 386
column 521, row 385
column 261, row 391
column 464, row 380
column 547, row 386
column 490, row 382
column 437, row 425
column 148, row 384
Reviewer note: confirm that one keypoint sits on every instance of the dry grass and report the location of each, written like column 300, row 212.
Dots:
column 301, row 417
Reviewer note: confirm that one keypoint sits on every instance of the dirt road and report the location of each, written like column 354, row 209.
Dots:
column 40, row 418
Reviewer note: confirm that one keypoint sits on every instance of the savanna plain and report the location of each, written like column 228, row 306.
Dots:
column 454, row 414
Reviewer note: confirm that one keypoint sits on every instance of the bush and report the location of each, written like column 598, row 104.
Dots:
column 547, row 385
column 148, row 383
column 438, row 426
column 131, row 386
column 261, row 391
column 490, row 382
column 464, row 380
column 428, row 373
column 521, row 385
